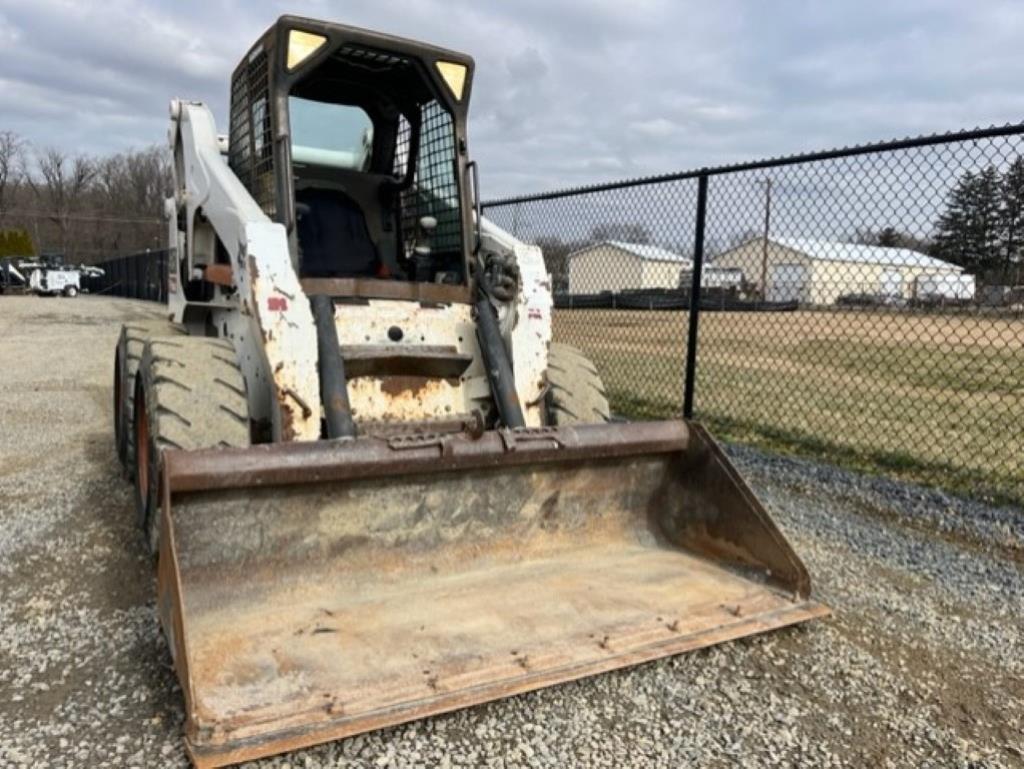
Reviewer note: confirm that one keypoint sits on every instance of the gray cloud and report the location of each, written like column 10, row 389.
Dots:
column 566, row 92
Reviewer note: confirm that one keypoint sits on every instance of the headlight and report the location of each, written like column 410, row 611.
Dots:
column 301, row 46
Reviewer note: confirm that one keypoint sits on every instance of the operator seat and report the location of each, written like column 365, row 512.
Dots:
column 334, row 241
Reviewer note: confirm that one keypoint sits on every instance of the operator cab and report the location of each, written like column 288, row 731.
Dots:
column 355, row 141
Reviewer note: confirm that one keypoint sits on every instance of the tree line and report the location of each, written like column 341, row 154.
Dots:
column 91, row 208
column 982, row 228
column 87, row 208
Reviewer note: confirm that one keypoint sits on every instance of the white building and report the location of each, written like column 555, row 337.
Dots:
column 614, row 265
column 821, row 271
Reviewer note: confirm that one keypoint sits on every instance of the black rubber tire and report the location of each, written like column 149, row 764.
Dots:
column 575, row 392
column 70, row 291
column 126, row 362
column 189, row 394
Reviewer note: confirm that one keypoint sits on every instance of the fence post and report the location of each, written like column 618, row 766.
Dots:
column 698, row 266
column 162, row 277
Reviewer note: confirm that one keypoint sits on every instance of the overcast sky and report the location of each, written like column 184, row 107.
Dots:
column 566, row 91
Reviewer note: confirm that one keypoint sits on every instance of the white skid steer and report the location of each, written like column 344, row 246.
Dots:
column 377, row 490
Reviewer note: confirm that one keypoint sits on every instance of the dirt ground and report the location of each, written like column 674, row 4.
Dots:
column 921, row 664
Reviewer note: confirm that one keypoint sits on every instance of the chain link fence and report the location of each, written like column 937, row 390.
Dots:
column 137, row 276
column 863, row 305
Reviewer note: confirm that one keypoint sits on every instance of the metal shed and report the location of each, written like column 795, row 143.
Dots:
column 822, row 271
column 614, row 265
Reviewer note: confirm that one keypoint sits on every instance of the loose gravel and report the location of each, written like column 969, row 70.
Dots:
column 921, row 664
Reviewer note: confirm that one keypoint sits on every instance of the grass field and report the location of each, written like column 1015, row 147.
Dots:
column 933, row 398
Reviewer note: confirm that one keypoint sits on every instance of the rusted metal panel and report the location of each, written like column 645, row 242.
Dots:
column 439, row 361
column 220, row 274
column 385, row 339
column 436, row 429
column 518, row 671
column 331, row 588
column 371, row 288
column 288, row 333
column 343, row 459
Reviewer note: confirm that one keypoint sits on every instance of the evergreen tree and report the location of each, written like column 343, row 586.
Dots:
column 970, row 230
column 951, row 239
column 16, row 243
column 892, row 237
column 1012, row 225
column 986, row 223
column 889, row 237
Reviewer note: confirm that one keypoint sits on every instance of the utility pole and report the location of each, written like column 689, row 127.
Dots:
column 764, row 240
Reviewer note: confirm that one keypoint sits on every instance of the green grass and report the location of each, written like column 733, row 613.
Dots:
column 896, row 464
column 963, row 368
column 634, row 406
column 919, row 398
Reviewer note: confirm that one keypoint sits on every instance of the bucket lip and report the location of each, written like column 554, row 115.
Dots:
column 208, row 748
column 281, row 464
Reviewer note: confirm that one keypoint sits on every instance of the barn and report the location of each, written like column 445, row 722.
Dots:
column 614, row 265
column 822, row 271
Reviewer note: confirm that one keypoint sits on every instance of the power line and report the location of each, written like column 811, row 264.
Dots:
column 81, row 217
column 111, row 252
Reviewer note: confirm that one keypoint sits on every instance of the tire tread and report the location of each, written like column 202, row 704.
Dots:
column 576, row 394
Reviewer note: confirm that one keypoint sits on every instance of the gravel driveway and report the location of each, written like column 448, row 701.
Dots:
column 921, row 665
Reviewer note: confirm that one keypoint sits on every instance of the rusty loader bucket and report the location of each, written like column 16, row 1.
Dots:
column 313, row 591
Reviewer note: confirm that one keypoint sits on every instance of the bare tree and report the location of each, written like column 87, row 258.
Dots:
column 89, row 208
column 62, row 189
column 12, row 157
column 630, row 232
column 133, row 185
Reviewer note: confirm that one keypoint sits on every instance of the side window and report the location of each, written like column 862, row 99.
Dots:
column 332, row 135
column 435, row 189
column 250, row 153
column 261, row 125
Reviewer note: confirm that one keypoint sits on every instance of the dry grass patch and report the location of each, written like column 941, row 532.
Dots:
column 938, row 399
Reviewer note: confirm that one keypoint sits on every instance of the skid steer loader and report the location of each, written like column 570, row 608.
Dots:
column 377, row 489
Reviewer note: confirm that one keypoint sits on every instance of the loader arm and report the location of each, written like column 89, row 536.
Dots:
column 228, row 244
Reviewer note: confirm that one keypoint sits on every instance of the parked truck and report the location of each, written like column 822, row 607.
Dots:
column 11, row 279
column 50, row 278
